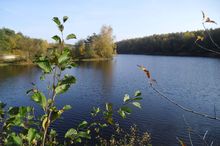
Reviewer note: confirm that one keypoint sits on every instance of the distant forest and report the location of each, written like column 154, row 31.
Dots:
column 178, row 44
column 97, row 46
column 19, row 44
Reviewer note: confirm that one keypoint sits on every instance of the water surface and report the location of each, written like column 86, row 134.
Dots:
column 190, row 81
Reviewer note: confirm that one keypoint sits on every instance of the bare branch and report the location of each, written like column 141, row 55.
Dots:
column 207, row 31
column 182, row 107
column 204, row 48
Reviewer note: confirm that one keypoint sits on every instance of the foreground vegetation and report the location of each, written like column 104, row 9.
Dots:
column 179, row 44
column 20, row 126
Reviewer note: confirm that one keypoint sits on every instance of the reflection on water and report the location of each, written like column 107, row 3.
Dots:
column 15, row 71
column 193, row 82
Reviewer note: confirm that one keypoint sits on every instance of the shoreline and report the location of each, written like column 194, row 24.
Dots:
column 76, row 60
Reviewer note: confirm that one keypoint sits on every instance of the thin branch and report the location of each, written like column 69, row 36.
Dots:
column 190, row 129
column 182, row 107
column 190, row 139
column 204, row 48
column 207, row 31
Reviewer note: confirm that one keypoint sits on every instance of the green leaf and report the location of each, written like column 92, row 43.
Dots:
column 122, row 113
column 68, row 80
column 31, row 135
column 71, row 36
column 55, row 115
column 17, row 140
column 13, row 111
column 71, row 132
column 126, row 109
column 95, row 111
column 108, row 106
column 137, row 93
column 56, row 20
column 44, row 64
column 83, row 124
column 53, row 133
column 64, row 57
column 137, row 98
column 39, row 98
column 65, row 19
column 78, row 140
column 62, row 88
column 137, row 104
column 126, row 97
column 61, row 28
column 14, row 140
column 67, row 107
column 83, row 134
column 103, row 125
column 56, row 38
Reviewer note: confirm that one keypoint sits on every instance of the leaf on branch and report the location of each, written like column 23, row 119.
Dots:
column 126, row 98
column 122, row 114
column 44, row 64
column 108, row 107
column 62, row 88
column 67, row 107
column 64, row 57
column 39, row 98
column 65, row 18
column 56, row 38
column 137, row 93
column 126, row 109
column 137, row 104
column 95, row 111
column 56, row 20
column 83, row 124
column 83, row 134
column 14, row 140
column 31, row 135
column 71, row 36
column 61, row 28
column 70, row 133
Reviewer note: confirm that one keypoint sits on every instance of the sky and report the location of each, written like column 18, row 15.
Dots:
column 128, row 18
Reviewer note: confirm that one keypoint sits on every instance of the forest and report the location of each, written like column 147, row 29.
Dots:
column 96, row 46
column 173, row 44
column 19, row 44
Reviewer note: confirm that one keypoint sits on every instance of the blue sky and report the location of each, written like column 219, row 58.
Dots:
column 128, row 18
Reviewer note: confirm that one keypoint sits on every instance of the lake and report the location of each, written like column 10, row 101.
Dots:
column 193, row 82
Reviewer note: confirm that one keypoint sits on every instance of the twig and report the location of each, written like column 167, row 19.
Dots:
column 204, row 48
column 190, row 129
column 205, row 135
column 182, row 107
column 207, row 31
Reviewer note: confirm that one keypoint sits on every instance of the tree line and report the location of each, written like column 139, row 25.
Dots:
column 179, row 44
column 96, row 46
column 99, row 45
column 18, row 44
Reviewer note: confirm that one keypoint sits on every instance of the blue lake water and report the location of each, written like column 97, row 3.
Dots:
column 193, row 82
